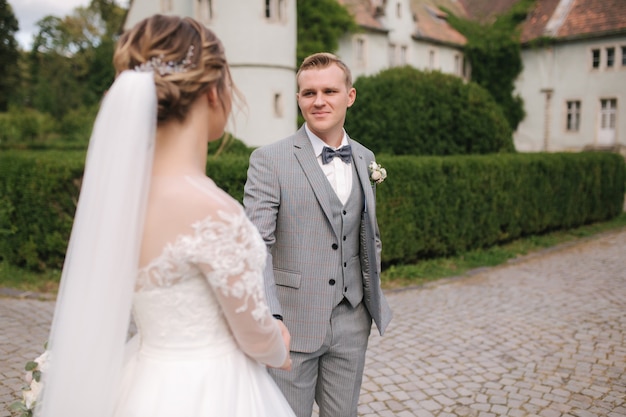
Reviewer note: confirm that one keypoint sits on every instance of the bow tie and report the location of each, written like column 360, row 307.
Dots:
column 345, row 153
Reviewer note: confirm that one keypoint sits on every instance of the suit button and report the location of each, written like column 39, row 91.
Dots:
column 344, row 238
column 335, row 246
column 345, row 212
column 345, row 264
column 331, row 282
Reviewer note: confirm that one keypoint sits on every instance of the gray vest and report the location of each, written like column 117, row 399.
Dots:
column 349, row 277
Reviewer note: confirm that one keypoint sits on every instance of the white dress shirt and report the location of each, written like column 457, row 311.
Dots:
column 338, row 173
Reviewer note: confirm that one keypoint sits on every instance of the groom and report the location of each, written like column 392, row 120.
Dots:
column 311, row 198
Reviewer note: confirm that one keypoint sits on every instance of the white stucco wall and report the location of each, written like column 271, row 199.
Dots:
column 376, row 47
column 258, row 123
column 443, row 57
column 565, row 70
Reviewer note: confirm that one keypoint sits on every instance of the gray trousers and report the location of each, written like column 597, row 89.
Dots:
column 332, row 375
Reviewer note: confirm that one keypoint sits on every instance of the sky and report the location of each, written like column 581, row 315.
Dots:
column 29, row 12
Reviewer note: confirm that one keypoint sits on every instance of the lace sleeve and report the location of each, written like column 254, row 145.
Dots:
column 231, row 255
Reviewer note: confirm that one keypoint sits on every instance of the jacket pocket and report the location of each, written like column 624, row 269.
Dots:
column 287, row 278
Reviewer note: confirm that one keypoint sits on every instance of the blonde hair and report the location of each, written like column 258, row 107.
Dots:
column 322, row 60
column 169, row 39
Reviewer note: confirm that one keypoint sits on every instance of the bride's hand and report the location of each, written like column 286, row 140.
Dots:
column 286, row 366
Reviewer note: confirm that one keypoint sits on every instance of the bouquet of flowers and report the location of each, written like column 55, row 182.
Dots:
column 30, row 392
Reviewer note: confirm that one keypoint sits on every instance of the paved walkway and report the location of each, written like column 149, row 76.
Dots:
column 544, row 336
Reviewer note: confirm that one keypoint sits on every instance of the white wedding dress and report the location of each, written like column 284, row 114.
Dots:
column 205, row 332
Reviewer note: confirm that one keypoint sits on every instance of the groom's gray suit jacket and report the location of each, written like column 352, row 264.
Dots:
column 290, row 201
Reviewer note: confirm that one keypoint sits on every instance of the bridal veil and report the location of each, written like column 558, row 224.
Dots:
column 92, row 312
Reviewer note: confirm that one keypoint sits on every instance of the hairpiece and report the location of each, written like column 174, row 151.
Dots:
column 163, row 68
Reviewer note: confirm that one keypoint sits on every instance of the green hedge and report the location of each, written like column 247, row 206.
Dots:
column 38, row 195
column 427, row 207
column 38, row 192
column 438, row 206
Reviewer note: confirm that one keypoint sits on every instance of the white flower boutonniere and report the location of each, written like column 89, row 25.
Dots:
column 30, row 393
column 377, row 173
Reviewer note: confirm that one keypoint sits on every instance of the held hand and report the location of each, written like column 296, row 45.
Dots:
column 286, row 366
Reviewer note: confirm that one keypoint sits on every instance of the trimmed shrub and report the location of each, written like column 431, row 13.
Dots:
column 75, row 127
column 427, row 207
column 405, row 111
column 438, row 206
column 38, row 193
column 228, row 145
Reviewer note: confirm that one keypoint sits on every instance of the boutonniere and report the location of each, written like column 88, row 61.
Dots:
column 377, row 173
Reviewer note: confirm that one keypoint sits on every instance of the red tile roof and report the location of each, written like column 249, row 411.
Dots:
column 537, row 19
column 432, row 24
column 364, row 13
column 559, row 18
column 594, row 17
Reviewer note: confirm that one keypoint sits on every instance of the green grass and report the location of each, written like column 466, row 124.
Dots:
column 393, row 277
column 24, row 280
column 430, row 270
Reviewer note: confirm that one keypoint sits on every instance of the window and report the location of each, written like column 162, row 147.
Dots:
column 610, row 57
column 275, row 9
column 623, row 56
column 166, row 6
column 466, row 68
column 282, row 13
column 278, row 105
column 573, row 116
column 360, row 52
column 458, row 69
column 595, row 58
column 399, row 10
column 392, row 54
column 397, row 55
column 431, row 59
column 608, row 113
column 204, row 10
column 268, row 9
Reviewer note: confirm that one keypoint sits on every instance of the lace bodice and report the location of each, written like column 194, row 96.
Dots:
column 204, row 291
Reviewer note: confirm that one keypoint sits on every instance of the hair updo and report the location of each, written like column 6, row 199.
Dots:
column 169, row 39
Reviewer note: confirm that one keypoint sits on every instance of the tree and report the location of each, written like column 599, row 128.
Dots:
column 71, row 59
column 55, row 69
column 320, row 25
column 9, row 55
column 494, row 53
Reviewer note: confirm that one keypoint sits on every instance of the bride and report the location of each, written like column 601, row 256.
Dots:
column 154, row 234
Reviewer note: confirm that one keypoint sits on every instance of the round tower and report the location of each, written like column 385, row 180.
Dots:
column 260, row 41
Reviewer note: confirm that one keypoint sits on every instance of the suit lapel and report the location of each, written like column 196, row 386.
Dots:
column 304, row 153
column 364, row 178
